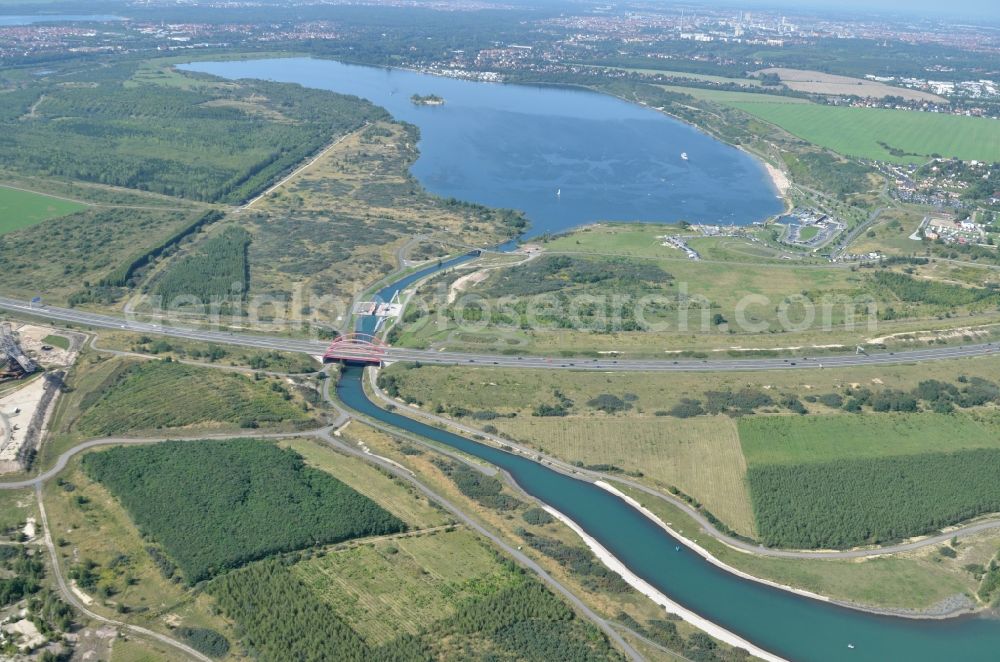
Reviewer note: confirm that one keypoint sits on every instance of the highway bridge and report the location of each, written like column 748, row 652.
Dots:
column 363, row 353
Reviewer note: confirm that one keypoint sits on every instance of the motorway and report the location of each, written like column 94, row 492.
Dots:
column 315, row 347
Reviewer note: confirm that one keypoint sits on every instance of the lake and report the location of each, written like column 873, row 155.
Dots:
column 564, row 157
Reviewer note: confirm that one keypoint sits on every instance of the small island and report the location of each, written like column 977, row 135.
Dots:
column 427, row 100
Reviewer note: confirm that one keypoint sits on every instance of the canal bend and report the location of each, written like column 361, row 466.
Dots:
column 785, row 624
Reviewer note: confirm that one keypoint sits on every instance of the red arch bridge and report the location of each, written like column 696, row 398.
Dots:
column 356, row 348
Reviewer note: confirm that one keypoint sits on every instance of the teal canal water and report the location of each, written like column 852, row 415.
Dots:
column 788, row 625
column 516, row 146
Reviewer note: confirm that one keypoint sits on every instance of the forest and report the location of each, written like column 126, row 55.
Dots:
column 215, row 505
column 123, row 275
column 524, row 621
column 907, row 288
column 216, row 143
column 851, row 502
column 217, row 270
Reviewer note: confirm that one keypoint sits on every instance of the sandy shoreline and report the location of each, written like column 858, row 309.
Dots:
column 639, row 584
column 780, row 179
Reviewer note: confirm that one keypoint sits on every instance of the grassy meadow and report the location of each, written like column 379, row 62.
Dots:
column 797, row 440
column 387, row 589
column 21, row 209
column 871, row 133
column 700, row 456
column 158, row 395
column 898, row 136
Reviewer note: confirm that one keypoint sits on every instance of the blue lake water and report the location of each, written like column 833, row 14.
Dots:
column 14, row 20
column 517, row 146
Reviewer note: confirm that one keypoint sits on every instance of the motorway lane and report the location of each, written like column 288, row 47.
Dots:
column 315, row 347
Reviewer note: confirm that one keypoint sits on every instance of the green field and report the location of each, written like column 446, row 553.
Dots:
column 62, row 342
column 859, row 131
column 808, row 232
column 215, row 505
column 157, row 395
column 21, row 209
column 796, row 440
column 905, row 136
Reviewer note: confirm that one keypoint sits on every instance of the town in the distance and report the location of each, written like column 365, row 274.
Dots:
column 542, row 331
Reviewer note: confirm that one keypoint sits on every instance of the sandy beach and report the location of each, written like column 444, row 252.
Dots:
column 779, row 178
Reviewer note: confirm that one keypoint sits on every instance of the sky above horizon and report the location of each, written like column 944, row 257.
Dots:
column 989, row 9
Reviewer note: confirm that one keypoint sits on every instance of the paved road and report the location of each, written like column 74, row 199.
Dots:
column 314, row 347
column 64, row 459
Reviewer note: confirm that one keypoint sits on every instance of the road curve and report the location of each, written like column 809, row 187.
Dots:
column 431, row 357
column 64, row 459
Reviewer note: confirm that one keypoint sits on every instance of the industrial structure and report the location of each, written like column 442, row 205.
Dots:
column 14, row 363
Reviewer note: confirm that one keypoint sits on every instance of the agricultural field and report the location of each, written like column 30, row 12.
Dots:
column 22, row 209
column 213, row 141
column 897, row 136
column 217, row 505
column 797, row 440
column 65, row 259
column 818, row 82
column 158, row 395
column 700, row 456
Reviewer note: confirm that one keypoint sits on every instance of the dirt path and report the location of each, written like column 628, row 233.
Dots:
column 70, row 597
column 302, row 168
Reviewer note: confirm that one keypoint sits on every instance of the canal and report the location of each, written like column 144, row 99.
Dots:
column 788, row 625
